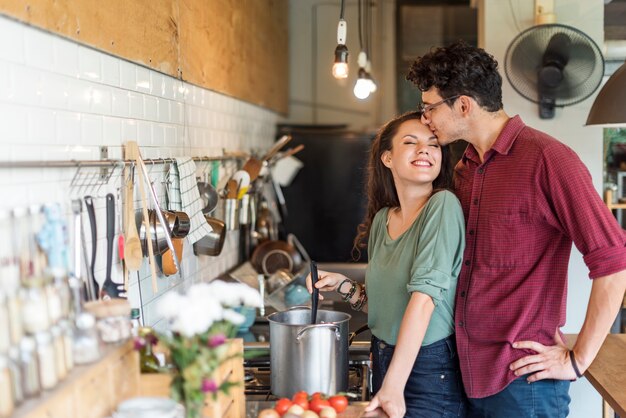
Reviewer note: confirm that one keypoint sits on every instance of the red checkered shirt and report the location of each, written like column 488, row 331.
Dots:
column 524, row 206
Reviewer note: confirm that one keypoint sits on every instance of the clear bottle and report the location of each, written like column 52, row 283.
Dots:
column 135, row 316
column 35, row 317
column 16, row 375
column 68, row 341
column 59, row 351
column 5, row 327
column 47, row 367
column 30, row 368
column 86, row 347
column 148, row 361
column 6, row 395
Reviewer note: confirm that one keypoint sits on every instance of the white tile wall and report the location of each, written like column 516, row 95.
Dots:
column 60, row 100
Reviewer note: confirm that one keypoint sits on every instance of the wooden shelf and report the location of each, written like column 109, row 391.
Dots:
column 89, row 391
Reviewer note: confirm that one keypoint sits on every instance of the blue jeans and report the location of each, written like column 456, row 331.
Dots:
column 434, row 388
column 541, row 399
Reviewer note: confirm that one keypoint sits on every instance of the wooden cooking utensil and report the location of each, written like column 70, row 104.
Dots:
column 253, row 167
column 277, row 146
column 133, row 256
column 231, row 189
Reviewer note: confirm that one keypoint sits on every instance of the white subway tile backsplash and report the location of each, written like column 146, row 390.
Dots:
column 120, row 103
column 65, row 57
column 110, row 70
column 38, row 49
column 89, row 64
column 60, row 100
column 12, row 40
column 91, row 130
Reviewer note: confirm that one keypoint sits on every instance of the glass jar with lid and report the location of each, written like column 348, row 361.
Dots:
column 59, row 351
column 6, row 396
column 16, row 375
column 29, row 366
column 86, row 347
column 35, row 316
column 45, row 354
column 113, row 318
column 68, row 338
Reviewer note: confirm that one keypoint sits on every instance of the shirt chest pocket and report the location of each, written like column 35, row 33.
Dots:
column 508, row 240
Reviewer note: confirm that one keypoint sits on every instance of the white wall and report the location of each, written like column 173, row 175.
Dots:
column 314, row 95
column 60, row 100
column 502, row 22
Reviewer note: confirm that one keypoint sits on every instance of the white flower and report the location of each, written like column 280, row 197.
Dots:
column 170, row 304
column 233, row 317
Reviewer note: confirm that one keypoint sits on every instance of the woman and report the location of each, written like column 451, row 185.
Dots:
column 415, row 231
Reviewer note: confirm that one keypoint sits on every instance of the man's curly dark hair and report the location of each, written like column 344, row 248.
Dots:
column 460, row 69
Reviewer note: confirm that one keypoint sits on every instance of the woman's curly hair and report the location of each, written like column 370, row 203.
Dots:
column 460, row 69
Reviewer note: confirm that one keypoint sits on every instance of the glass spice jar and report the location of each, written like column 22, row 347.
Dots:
column 59, row 351
column 29, row 366
column 86, row 347
column 68, row 338
column 45, row 354
column 16, row 375
column 35, row 316
column 6, row 396
column 5, row 325
column 113, row 319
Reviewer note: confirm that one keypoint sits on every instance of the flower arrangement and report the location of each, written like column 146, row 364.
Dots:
column 199, row 324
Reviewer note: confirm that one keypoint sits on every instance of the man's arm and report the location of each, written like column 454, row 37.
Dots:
column 553, row 362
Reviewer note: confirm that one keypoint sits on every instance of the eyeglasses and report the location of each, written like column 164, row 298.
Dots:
column 425, row 109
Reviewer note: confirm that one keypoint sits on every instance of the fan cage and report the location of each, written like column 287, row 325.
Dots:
column 582, row 74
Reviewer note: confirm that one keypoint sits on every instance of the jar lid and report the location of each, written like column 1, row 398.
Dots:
column 27, row 344
column 85, row 321
column 108, row 308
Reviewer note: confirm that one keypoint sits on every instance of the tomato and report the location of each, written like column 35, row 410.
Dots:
column 302, row 400
column 301, row 394
column 317, row 404
column 318, row 395
column 282, row 405
column 338, row 402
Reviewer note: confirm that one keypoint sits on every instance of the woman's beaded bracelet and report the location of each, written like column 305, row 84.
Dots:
column 361, row 301
column 348, row 295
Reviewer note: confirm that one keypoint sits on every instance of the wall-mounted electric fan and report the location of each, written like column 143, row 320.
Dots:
column 554, row 65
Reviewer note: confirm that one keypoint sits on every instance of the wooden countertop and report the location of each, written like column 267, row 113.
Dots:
column 607, row 372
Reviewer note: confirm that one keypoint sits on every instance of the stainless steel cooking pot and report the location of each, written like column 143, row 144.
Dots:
column 309, row 357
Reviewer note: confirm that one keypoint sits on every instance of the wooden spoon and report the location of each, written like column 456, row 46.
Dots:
column 253, row 167
column 133, row 256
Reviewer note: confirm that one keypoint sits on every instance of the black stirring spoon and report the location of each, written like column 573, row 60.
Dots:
column 315, row 293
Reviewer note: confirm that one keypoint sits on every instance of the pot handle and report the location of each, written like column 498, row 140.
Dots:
column 310, row 327
column 298, row 307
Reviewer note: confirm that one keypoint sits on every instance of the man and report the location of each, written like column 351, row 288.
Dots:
column 526, row 197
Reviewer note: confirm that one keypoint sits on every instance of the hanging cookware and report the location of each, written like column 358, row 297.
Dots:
column 212, row 243
column 271, row 256
column 313, row 358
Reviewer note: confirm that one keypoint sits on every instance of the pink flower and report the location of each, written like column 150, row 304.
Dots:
column 209, row 385
column 216, row 340
column 139, row 343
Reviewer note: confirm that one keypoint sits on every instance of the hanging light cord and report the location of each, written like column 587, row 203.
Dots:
column 360, row 25
column 343, row 8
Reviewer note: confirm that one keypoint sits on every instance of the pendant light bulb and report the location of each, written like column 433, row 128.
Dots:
column 340, row 66
column 362, row 88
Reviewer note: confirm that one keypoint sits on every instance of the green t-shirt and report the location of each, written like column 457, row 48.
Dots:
column 426, row 258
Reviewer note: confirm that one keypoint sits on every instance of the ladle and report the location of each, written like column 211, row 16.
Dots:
column 315, row 294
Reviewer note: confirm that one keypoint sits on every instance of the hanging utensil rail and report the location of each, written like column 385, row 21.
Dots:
column 107, row 163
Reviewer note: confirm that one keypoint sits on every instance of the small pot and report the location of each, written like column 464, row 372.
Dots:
column 212, row 243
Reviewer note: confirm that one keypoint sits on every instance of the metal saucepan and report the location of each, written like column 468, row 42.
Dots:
column 212, row 243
